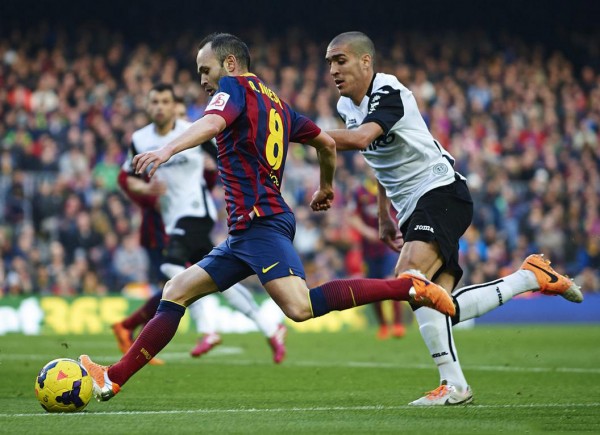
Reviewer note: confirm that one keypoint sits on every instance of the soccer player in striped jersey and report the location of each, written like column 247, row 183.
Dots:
column 188, row 211
column 432, row 201
column 253, row 127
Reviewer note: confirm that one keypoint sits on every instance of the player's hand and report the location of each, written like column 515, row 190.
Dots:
column 155, row 158
column 389, row 234
column 322, row 200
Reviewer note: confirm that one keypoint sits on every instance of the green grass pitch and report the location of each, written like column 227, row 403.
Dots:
column 525, row 379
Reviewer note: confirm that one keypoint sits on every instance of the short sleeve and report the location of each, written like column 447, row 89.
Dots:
column 385, row 108
column 229, row 100
column 302, row 128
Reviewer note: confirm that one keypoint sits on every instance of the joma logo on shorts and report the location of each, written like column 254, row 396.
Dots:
column 423, row 228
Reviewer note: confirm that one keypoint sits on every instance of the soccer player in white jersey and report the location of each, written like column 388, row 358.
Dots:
column 188, row 213
column 432, row 201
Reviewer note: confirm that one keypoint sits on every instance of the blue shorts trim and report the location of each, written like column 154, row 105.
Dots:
column 264, row 249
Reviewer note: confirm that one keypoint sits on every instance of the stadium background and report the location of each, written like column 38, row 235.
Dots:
column 511, row 89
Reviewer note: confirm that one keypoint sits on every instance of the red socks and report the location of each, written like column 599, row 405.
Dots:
column 348, row 293
column 143, row 314
column 157, row 333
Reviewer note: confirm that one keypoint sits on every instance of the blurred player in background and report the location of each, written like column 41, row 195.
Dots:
column 378, row 258
column 432, row 200
column 253, row 128
column 187, row 209
column 205, row 318
column 154, row 240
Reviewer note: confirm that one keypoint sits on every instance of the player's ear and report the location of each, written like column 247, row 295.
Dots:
column 366, row 60
column 230, row 63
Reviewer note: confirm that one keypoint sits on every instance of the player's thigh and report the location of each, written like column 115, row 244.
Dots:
column 432, row 232
column 422, row 256
column 224, row 267
column 267, row 248
column 189, row 285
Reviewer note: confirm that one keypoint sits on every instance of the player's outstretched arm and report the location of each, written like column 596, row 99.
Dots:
column 325, row 146
column 388, row 230
column 200, row 131
column 356, row 139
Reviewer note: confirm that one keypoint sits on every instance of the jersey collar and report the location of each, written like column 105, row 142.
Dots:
column 371, row 85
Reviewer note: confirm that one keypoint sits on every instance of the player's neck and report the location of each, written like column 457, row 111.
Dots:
column 364, row 90
column 164, row 129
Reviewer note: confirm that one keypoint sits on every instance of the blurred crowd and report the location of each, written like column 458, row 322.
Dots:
column 521, row 119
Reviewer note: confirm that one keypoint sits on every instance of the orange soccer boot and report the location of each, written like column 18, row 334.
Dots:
column 550, row 281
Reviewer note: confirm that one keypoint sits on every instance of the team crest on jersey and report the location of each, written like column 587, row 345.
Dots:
column 440, row 169
column 218, row 102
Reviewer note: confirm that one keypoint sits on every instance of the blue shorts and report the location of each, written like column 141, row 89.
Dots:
column 264, row 249
column 381, row 266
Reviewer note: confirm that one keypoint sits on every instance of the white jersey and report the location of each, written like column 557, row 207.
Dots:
column 183, row 174
column 406, row 159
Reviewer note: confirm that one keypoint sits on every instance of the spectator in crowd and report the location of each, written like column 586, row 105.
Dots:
column 522, row 121
column 131, row 261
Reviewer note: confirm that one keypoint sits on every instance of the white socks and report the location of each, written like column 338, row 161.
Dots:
column 476, row 300
column 201, row 314
column 472, row 301
column 240, row 298
column 436, row 330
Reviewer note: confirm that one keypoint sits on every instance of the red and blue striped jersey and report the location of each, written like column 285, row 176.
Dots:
column 252, row 148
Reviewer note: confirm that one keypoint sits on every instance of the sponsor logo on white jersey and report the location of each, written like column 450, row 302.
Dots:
column 381, row 141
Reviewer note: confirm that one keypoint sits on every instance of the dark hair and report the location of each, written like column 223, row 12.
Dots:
column 224, row 44
column 161, row 87
column 358, row 42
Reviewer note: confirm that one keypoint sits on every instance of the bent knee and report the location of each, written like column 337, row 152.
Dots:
column 297, row 312
column 174, row 292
